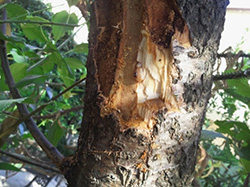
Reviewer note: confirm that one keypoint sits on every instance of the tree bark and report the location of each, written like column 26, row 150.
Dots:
column 149, row 80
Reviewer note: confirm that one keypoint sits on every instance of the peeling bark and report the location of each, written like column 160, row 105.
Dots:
column 149, row 80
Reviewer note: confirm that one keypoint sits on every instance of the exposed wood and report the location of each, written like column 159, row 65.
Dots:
column 149, row 80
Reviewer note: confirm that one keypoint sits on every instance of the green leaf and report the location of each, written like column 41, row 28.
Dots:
column 10, row 38
column 224, row 126
column 244, row 152
column 36, row 19
column 63, row 17
column 3, row 85
column 50, row 61
column 18, row 58
column 65, row 73
column 36, row 79
column 74, row 63
column 18, row 46
column 72, row 2
column 84, row 73
column 239, row 97
column 55, row 133
column 2, row 5
column 238, row 130
column 15, row 11
column 81, row 48
column 67, row 95
column 63, row 68
column 5, row 103
column 66, row 79
column 36, row 70
column 18, row 71
column 34, row 31
column 29, row 100
column 225, row 155
column 8, row 166
column 211, row 135
column 246, row 165
column 241, row 86
column 50, row 48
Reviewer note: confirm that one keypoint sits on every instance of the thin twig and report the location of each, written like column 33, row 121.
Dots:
column 233, row 75
column 36, row 64
column 59, row 47
column 83, row 6
column 39, row 22
column 69, row 38
column 59, row 85
column 225, row 55
column 48, row 148
column 23, row 118
column 50, row 116
column 63, row 112
column 29, row 161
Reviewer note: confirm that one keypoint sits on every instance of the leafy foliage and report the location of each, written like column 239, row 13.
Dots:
column 6, row 103
column 228, row 146
column 8, row 166
column 62, row 17
column 44, row 60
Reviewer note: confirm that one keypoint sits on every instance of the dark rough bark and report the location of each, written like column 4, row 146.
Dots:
column 125, row 141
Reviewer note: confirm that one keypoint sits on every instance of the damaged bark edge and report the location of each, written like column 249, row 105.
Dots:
column 143, row 69
column 146, row 95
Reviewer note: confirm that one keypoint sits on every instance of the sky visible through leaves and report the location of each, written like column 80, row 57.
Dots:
column 59, row 5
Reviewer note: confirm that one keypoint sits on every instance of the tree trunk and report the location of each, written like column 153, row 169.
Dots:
column 149, row 79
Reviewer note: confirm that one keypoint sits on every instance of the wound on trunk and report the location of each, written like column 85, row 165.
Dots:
column 142, row 72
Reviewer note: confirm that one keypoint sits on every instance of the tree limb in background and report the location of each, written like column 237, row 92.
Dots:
column 29, row 161
column 62, row 112
column 9, row 126
column 52, row 99
column 40, row 108
column 232, row 59
column 83, row 6
column 246, row 183
column 39, row 22
column 234, row 75
column 230, row 54
column 59, row 85
column 48, row 148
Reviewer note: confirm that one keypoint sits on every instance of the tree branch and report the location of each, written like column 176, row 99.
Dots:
column 54, row 98
column 48, row 148
column 83, row 6
column 31, row 162
column 246, row 182
column 63, row 112
column 70, row 37
column 23, row 118
column 234, row 75
column 229, row 54
column 39, row 22
column 59, row 47
column 59, row 85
